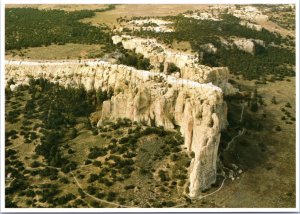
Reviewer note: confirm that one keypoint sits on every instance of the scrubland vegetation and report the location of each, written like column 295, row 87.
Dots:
column 28, row 27
column 51, row 145
column 56, row 156
column 266, row 60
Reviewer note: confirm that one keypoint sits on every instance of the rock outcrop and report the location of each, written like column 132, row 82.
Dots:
column 146, row 96
column 187, row 62
column 251, row 25
column 244, row 44
column 202, row 16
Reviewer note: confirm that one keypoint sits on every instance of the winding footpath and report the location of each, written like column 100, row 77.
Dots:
column 204, row 196
column 241, row 133
column 98, row 199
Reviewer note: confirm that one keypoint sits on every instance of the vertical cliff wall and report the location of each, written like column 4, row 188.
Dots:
column 187, row 62
column 197, row 108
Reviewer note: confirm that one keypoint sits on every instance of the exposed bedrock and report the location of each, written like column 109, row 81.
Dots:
column 146, row 96
column 187, row 62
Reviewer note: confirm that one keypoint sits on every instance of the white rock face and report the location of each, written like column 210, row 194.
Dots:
column 187, row 62
column 202, row 16
column 197, row 108
column 150, row 24
column 159, row 25
column 246, row 45
column 210, row 48
column 251, row 25
column 249, row 13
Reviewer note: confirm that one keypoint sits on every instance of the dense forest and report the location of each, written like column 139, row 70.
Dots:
column 29, row 27
column 266, row 59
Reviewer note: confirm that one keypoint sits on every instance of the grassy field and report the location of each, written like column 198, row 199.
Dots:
column 281, row 21
column 266, row 156
column 140, row 166
column 130, row 10
column 274, row 27
column 52, row 52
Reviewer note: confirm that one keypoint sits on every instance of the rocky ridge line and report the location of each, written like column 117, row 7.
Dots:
column 149, row 97
column 187, row 62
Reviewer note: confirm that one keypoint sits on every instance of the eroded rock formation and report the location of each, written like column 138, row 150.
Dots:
column 147, row 96
column 187, row 62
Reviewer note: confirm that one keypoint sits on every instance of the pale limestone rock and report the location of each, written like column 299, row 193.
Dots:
column 251, row 25
column 152, row 97
column 246, row 45
column 187, row 62
column 202, row 16
column 106, row 109
column 210, row 48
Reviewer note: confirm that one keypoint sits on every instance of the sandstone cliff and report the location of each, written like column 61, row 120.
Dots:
column 187, row 62
column 139, row 95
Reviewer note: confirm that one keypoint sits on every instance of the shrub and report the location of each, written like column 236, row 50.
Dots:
column 97, row 163
column 170, row 204
column 254, row 107
column 30, row 193
column 71, row 151
column 174, row 157
column 95, row 132
column 163, row 175
column 111, row 196
column 121, row 200
column 96, row 152
column 130, row 186
column 91, row 190
column 93, row 177
column 81, row 176
column 143, row 171
column 33, row 136
column 81, row 193
column 274, row 100
column 288, row 105
column 100, row 195
column 172, row 68
column 95, row 204
column 69, row 167
column 78, row 202
column 35, row 164
column 113, row 140
column 87, row 162
column 64, row 180
column 73, row 133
